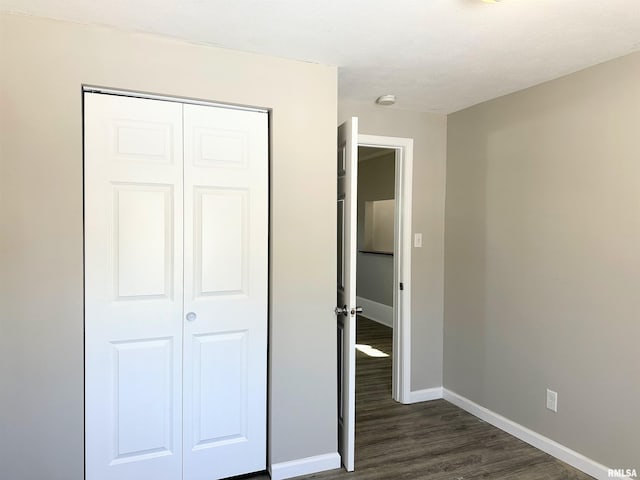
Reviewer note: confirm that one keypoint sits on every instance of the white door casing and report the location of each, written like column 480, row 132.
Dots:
column 346, row 287
column 171, row 396
column 225, row 238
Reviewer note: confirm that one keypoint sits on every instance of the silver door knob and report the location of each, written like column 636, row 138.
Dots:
column 191, row 316
column 355, row 311
column 341, row 310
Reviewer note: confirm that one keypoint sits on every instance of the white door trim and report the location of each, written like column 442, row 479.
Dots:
column 401, row 375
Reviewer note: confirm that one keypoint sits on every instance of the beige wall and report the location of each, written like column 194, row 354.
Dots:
column 429, row 132
column 542, row 284
column 44, row 63
column 376, row 181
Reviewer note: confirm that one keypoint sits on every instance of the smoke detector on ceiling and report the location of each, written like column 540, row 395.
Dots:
column 386, row 100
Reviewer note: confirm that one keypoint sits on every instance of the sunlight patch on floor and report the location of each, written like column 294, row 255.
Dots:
column 371, row 351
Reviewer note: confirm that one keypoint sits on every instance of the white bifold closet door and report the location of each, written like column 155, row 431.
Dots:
column 176, row 222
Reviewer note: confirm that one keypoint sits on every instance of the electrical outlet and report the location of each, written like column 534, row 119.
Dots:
column 552, row 400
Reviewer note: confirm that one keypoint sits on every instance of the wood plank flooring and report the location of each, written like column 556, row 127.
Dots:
column 431, row 440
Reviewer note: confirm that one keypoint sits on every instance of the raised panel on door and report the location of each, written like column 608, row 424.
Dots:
column 220, row 258
column 133, row 288
column 143, row 234
column 143, row 426
column 220, row 401
column 226, row 258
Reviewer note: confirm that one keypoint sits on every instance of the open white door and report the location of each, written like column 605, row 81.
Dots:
column 346, row 299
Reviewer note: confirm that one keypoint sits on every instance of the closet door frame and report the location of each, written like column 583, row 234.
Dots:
column 171, row 98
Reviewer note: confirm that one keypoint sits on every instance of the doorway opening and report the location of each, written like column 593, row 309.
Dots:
column 375, row 275
column 384, row 233
column 383, row 273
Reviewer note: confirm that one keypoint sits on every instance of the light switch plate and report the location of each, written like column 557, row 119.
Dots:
column 552, row 400
column 417, row 240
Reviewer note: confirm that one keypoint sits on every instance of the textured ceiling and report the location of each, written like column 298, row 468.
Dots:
column 435, row 55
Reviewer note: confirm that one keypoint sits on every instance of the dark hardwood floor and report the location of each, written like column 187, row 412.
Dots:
column 432, row 440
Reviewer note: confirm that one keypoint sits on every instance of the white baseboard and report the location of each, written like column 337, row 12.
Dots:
column 425, row 395
column 543, row 443
column 305, row 466
column 375, row 311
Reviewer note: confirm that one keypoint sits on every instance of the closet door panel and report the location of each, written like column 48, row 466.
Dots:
column 133, row 288
column 226, row 261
